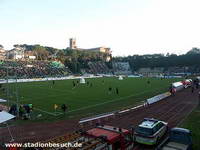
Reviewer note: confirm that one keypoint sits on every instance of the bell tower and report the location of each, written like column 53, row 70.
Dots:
column 72, row 43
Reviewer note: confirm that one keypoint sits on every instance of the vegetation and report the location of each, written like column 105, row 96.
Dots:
column 86, row 100
column 191, row 59
column 194, row 51
column 73, row 59
column 77, row 60
column 193, row 123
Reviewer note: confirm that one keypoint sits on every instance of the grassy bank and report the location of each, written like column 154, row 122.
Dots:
column 193, row 123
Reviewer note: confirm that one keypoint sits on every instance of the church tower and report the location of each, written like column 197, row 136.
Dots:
column 72, row 43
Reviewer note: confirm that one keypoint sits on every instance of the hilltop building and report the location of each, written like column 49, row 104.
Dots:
column 2, row 53
column 29, row 55
column 106, row 50
column 16, row 53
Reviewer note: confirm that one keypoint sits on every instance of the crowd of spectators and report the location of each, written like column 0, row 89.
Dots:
column 30, row 69
column 121, row 68
column 98, row 68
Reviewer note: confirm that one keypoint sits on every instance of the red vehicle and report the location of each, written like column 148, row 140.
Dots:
column 115, row 138
column 102, row 137
column 187, row 83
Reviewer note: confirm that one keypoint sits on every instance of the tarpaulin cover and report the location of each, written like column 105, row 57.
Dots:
column 4, row 116
column 2, row 100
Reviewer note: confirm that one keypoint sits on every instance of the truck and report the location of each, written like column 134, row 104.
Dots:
column 178, row 139
column 113, row 137
column 101, row 137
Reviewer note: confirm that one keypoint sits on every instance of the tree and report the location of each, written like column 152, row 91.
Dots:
column 61, row 56
column 41, row 52
column 194, row 51
column 16, row 45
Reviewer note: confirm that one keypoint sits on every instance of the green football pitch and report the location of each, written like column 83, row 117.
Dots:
column 83, row 99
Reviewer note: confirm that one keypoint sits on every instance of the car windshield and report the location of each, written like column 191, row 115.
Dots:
column 144, row 131
column 179, row 137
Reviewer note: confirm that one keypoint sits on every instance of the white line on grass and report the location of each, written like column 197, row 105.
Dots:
column 91, row 106
column 115, row 100
column 44, row 97
column 73, row 92
column 53, row 88
column 50, row 113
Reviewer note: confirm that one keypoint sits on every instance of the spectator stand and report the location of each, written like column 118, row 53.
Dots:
column 121, row 68
column 98, row 68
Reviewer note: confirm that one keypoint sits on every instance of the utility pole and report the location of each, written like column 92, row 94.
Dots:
column 17, row 94
column 7, row 87
column 75, row 57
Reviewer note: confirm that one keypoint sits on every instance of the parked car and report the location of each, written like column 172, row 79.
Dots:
column 178, row 139
column 177, row 86
column 150, row 131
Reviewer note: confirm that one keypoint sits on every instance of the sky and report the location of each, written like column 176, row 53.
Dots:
column 128, row 27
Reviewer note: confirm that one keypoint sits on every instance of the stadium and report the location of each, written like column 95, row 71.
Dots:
column 51, row 103
column 128, row 81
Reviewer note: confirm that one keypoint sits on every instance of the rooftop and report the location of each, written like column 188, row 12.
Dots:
column 109, row 132
column 148, row 123
column 96, row 132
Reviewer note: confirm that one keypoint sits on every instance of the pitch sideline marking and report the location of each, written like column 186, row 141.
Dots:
column 44, row 86
column 50, row 113
column 91, row 106
column 82, row 108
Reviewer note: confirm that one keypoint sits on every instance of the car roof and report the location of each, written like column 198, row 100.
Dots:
column 188, row 80
column 149, row 123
